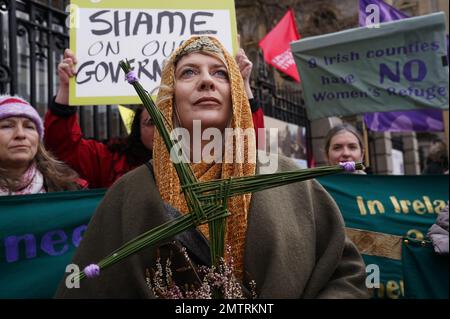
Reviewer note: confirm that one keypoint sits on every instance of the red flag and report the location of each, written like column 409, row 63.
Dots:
column 275, row 45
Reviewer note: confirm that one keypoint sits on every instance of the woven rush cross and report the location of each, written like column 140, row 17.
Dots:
column 207, row 201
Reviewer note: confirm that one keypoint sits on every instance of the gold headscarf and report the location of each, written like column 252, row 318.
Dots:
column 166, row 177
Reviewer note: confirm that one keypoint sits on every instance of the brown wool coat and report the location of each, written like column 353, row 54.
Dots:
column 295, row 247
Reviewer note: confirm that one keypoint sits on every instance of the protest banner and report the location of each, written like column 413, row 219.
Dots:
column 398, row 66
column 426, row 274
column 406, row 121
column 39, row 233
column 390, row 208
column 144, row 32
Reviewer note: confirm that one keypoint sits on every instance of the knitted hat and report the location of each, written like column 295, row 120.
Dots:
column 11, row 106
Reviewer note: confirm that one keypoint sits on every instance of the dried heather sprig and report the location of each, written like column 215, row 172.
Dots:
column 215, row 281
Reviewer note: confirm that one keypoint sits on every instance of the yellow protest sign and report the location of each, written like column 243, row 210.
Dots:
column 102, row 33
column 127, row 117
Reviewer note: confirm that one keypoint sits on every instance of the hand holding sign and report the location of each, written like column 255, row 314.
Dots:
column 66, row 70
column 245, row 66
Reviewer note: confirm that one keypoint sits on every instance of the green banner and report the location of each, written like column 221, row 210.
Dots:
column 397, row 205
column 38, row 235
column 399, row 66
column 425, row 273
column 391, row 277
column 404, row 206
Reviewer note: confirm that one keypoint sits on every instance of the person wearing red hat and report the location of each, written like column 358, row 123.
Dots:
column 25, row 166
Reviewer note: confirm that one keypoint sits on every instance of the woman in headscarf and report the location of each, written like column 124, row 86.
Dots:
column 289, row 240
column 25, row 166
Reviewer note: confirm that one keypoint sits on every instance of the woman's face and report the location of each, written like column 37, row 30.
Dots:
column 19, row 141
column 147, row 130
column 202, row 92
column 344, row 147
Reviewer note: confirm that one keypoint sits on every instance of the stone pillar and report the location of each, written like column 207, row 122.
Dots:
column 319, row 130
column 382, row 154
column 411, row 158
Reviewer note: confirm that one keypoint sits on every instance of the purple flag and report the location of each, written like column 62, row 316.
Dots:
column 424, row 120
column 387, row 12
column 404, row 121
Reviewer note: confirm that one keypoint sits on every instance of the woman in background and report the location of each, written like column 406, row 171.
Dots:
column 25, row 166
column 343, row 143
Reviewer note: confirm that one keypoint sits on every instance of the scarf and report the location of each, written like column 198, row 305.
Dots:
column 166, row 177
column 31, row 182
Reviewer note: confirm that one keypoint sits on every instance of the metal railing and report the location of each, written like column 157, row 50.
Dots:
column 283, row 103
column 33, row 38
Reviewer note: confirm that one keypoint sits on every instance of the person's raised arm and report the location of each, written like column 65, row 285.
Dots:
column 66, row 70
column 64, row 138
column 245, row 66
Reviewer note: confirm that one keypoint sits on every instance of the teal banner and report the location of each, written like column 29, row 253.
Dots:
column 425, row 273
column 38, row 235
column 399, row 66
column 391, row 277
column 396, row 205
column 404, row 206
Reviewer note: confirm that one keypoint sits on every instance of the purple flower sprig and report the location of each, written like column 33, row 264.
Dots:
column 348, row 166
column 92, row 271
column 131, row 77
